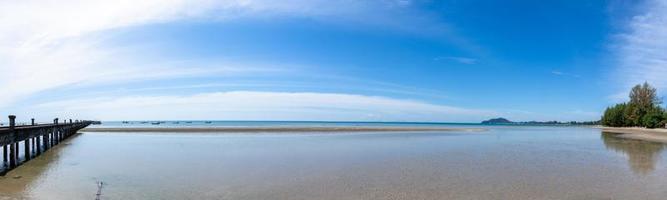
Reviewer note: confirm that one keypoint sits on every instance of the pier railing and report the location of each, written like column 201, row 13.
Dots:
column 34, row 139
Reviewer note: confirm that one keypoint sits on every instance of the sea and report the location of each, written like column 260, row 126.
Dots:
column 503, row 162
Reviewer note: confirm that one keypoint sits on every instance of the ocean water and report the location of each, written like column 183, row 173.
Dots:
column 185, row 123
column 505, row 162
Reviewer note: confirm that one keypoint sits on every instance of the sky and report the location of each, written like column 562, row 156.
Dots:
column 327, row 60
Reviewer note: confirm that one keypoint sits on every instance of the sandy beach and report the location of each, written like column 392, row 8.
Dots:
column 653, row 135
column 275, row 129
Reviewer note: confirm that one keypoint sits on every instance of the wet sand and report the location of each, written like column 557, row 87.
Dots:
column 652, row 135
column 503, row 163
column 277, row 129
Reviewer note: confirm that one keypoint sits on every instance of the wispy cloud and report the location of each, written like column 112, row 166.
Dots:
column 642, row 49
column 560, row 73
column 54, row 44
column 252, row 105
column 462, row 60
column 260, row 105
column 618, row 97
column 47, row 45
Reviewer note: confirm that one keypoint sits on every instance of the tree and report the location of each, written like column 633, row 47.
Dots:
column 654, row 118
column 615, row 116
column 644, row 96
column 642, row 110
column 632, row 115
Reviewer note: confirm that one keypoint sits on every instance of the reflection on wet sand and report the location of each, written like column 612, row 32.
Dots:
column 511, row 163
column 15, row 183
column 642, row 155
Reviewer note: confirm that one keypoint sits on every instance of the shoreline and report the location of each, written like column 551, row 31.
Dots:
column 276, row 129
column 652, row 135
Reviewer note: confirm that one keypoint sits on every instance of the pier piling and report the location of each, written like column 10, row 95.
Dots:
column 12, row 146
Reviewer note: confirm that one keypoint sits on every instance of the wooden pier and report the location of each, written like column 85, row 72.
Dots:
column 34, row 139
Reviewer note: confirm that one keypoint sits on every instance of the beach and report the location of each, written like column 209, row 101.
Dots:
column 653, row 135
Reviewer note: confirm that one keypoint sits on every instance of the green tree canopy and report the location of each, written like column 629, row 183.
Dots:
column 642, row 110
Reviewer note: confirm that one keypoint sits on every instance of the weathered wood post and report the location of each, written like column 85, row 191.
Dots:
column 46, row 139
column 12, row 147
column 26, row 148
column 50, row 134
column 54, row 140
column 38, row 144
column 32, row 140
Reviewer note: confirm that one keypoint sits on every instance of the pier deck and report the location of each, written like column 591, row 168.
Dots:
column 33, row 139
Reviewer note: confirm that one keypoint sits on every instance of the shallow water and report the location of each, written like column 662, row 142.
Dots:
column 502, row 163
column 200, row 124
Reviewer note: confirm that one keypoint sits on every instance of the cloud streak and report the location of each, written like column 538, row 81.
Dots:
column 253, row 105
column 641, row 50
column 462, row 60
column 53, row 44
column 560, row 73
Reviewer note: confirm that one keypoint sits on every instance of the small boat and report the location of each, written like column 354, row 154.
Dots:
column 126, row 122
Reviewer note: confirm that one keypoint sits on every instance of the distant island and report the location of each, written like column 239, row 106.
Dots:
column 497, row 121
column 501, row 121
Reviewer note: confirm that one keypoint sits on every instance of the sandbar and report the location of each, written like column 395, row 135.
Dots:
column 653, row 135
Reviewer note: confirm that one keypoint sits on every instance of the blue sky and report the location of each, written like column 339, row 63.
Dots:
column 375, row 60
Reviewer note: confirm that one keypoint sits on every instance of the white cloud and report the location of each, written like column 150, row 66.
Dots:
column 462, row 60
column 249, row 105
column 642, row 51
column 53, row 44
column 254, row 105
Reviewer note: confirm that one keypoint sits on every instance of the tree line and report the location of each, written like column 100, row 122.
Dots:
column 643, row 110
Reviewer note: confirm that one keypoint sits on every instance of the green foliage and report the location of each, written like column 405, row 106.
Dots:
column 614, row 116
column 642, row 110
column 632, row 115
column 654, row 118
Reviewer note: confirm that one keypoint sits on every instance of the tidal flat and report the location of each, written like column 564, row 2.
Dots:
column 504, row 162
